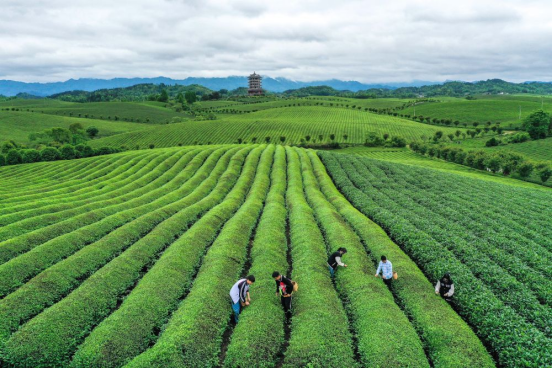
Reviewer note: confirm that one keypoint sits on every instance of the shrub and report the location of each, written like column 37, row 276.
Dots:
column 67, row 152
column 105, row 150
column 50, row 154
column 492, row 142
column 84, row 151
column 519, row 137
column 31, row 156
column 538, row 125
column 14, row 157
column 398, row 142
column 525, row 169
column 2, row 160
column 544, row 171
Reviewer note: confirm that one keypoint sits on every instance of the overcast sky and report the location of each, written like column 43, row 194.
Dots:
column 366, row 40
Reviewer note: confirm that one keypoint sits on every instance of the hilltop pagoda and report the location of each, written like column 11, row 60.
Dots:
column 254, row 85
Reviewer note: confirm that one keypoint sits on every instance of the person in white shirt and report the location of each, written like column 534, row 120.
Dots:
column 385, row 266
column 240, row 295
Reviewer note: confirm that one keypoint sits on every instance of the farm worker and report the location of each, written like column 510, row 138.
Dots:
column 336, row 259
column 240, row 295
column 445, row 288
column 284, row 287
column 385, row 266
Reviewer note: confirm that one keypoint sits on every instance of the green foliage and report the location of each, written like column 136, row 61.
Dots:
column 373, row 140
column 84, row 151
column 31, row 156
column 398, row 142
column 14, row 157
column 67, row 152
column 92, row 131
column 50, row 154
column 190, row 97
column 2, row 160
column 544, row 171
column 538, row 125
column 7, row 146
column 524, row 169
column 519, row 137
column 492, row 142
column 163, row 96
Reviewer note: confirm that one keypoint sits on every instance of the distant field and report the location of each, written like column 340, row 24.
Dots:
column 291, row 123
column 484, row 109
column 127, row 111
column 536, row 150
column 17, row 125
column 406, row 156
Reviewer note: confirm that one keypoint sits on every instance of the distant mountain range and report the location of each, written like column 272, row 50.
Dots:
column 12, row 88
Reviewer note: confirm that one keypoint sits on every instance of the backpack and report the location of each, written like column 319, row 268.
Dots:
column 295, row 286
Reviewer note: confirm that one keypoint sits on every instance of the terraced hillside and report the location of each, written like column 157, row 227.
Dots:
column 147, row 112
column 127, row 260
column 291, row 123
column 17, row 125
column 494, row 239
column 503, row 109
column 409, row 157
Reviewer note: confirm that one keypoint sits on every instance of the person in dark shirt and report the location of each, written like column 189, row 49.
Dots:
column 335, row 260
column 284, row 287
column 445, row 287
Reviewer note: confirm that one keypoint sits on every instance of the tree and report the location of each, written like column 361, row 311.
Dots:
column 151, row 146
column 14, row 157
column 544, row 171
column 538, row 125
column 2, row 160
column 84, row 151
column 267, row 139
column 254, row 139
column 282, row 139
column 475, row 124
column 31, row 156
column 92, row 131
column 345, row 137
column 332, row 136
column 7, row 146
column 493, row 163
column 75, row 128
column 307, row 138
column 398, row 142
column 321, row 138
column 163, row 96
column 525, row 169
column 471, row 133
column 190, row 97
column 50, row 154
column 60, row 135
column 67, row 152
column 450, row 136
column 386, row 135
column 180, row 98
column 492, row 142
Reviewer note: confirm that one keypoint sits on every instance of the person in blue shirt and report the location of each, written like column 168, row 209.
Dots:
column 385, row 267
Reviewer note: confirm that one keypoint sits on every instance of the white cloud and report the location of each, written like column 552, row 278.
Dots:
column 364, row 40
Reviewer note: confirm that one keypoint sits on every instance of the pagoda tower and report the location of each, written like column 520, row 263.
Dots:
column 254, row 85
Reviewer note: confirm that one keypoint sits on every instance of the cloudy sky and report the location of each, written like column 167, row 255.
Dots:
column 365, row 40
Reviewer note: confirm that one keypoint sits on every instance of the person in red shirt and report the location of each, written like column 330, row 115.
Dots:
column 284, row 287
